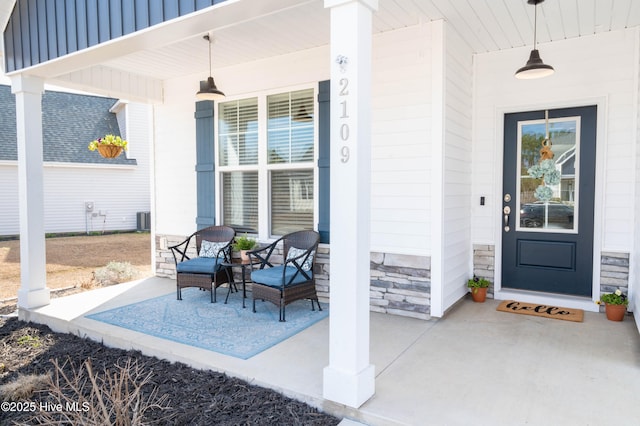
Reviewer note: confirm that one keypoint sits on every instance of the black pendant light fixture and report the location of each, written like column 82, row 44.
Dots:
column 534, row 68
column 208, row 90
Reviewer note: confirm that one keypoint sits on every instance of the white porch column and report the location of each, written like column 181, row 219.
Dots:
column 350, row 378
column 33, row 291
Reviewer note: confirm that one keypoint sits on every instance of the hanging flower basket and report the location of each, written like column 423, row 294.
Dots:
column 109, row 146
column 109, row 151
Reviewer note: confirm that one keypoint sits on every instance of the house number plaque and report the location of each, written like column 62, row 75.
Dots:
column 343, row 94
column 344, row 126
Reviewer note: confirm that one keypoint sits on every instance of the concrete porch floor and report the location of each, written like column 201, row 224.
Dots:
column 475, row 366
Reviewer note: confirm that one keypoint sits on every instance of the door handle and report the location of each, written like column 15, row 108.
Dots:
column 506, row 210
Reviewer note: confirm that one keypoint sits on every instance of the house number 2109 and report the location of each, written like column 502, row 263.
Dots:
column 344, row 127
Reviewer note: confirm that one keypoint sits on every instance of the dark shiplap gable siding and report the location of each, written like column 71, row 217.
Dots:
column 40, row 30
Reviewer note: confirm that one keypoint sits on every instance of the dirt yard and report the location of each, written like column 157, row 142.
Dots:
column 72, row 260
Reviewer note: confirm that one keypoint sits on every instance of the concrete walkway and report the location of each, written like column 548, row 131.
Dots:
column 476, row 366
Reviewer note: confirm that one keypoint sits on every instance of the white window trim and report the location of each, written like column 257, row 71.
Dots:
column 263, row 168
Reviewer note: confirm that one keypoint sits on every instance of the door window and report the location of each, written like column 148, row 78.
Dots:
column 548, row 171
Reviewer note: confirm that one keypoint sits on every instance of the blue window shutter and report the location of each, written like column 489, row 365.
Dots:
column 324, row 171
column 205, row 165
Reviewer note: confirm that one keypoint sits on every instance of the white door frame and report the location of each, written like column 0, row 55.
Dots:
column 587, row 304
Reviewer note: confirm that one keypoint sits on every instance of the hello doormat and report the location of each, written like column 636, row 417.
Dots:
column 545, row 311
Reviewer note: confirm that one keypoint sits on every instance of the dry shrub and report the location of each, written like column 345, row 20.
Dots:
column 114, row 273
column 88, row 284
column 116, row 397
column 24, row 386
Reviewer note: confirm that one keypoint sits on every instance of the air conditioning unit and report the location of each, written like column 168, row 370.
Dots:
column 144, row 221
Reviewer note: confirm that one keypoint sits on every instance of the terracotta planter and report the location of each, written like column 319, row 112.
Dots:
column 479, row 294
column 109, row 151
column 244, row 256
column 615, row 312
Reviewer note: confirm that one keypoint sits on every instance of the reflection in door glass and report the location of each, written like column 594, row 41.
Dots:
column 548, row 174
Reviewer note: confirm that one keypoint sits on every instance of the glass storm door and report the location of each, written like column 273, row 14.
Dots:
column 548, row 197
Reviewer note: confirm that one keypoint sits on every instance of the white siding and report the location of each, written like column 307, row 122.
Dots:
column 118, row 192
column 400, row 135
column 457, row 256
column 634, row 262
column 175, row 159
column 175, row 155
column 9, row 215
column 592, row 69
column 401, row 160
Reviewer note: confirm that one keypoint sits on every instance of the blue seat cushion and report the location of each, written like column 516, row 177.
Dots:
column 273, row 276
column 200, row 265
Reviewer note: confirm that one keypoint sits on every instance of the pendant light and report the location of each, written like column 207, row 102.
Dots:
column 534, row 68
column 208, row 90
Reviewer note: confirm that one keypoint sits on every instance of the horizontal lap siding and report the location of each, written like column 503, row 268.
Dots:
column 400, row 192
column 457, row 168
column 9, row 215
column 634, row 263
column 118, row 192
column 135, row 87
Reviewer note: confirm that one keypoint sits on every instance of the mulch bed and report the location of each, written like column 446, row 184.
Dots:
column 195, row 397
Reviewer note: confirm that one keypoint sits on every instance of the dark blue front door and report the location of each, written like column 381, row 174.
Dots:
column 548, row 200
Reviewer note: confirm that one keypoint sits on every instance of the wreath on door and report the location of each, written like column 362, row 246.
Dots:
column 546, row 168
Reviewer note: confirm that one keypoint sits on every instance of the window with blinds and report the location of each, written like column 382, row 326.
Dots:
column 290, row 135
column 291, row 201
column 284, row 156
column 240, row 201
column 238, row 132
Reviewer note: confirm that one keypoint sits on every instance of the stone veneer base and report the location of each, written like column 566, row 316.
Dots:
column 400, row 284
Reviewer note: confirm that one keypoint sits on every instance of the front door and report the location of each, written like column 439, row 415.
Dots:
column 548, row 201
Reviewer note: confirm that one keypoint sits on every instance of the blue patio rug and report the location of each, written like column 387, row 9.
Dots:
column 227, row 329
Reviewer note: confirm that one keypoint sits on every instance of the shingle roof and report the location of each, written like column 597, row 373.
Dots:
column 69, row 123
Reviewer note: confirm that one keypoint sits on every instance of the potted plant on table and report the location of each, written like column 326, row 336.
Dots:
column 243, row 244
column 615, row 305
column 478, row 288
column 109, row 146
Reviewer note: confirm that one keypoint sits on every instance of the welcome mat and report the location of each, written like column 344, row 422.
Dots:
column 545, row 311
column 227, row 329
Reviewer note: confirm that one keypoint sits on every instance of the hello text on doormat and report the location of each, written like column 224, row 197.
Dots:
column 545, row 311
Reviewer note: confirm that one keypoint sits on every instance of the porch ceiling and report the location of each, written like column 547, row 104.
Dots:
column 249, row 30
column 486, row 25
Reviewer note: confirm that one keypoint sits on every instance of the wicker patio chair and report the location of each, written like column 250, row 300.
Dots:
column 213, row 248
column 294, row 278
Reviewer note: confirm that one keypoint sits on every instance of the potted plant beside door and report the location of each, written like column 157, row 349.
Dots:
column 615, row 305
column 243, row 244
column 478, row 288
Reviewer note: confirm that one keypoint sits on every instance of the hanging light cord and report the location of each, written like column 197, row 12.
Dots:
column 535, row 25
column 206, row 36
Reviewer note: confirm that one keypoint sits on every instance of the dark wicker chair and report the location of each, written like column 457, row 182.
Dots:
column 204, row 271
column 294, row 278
